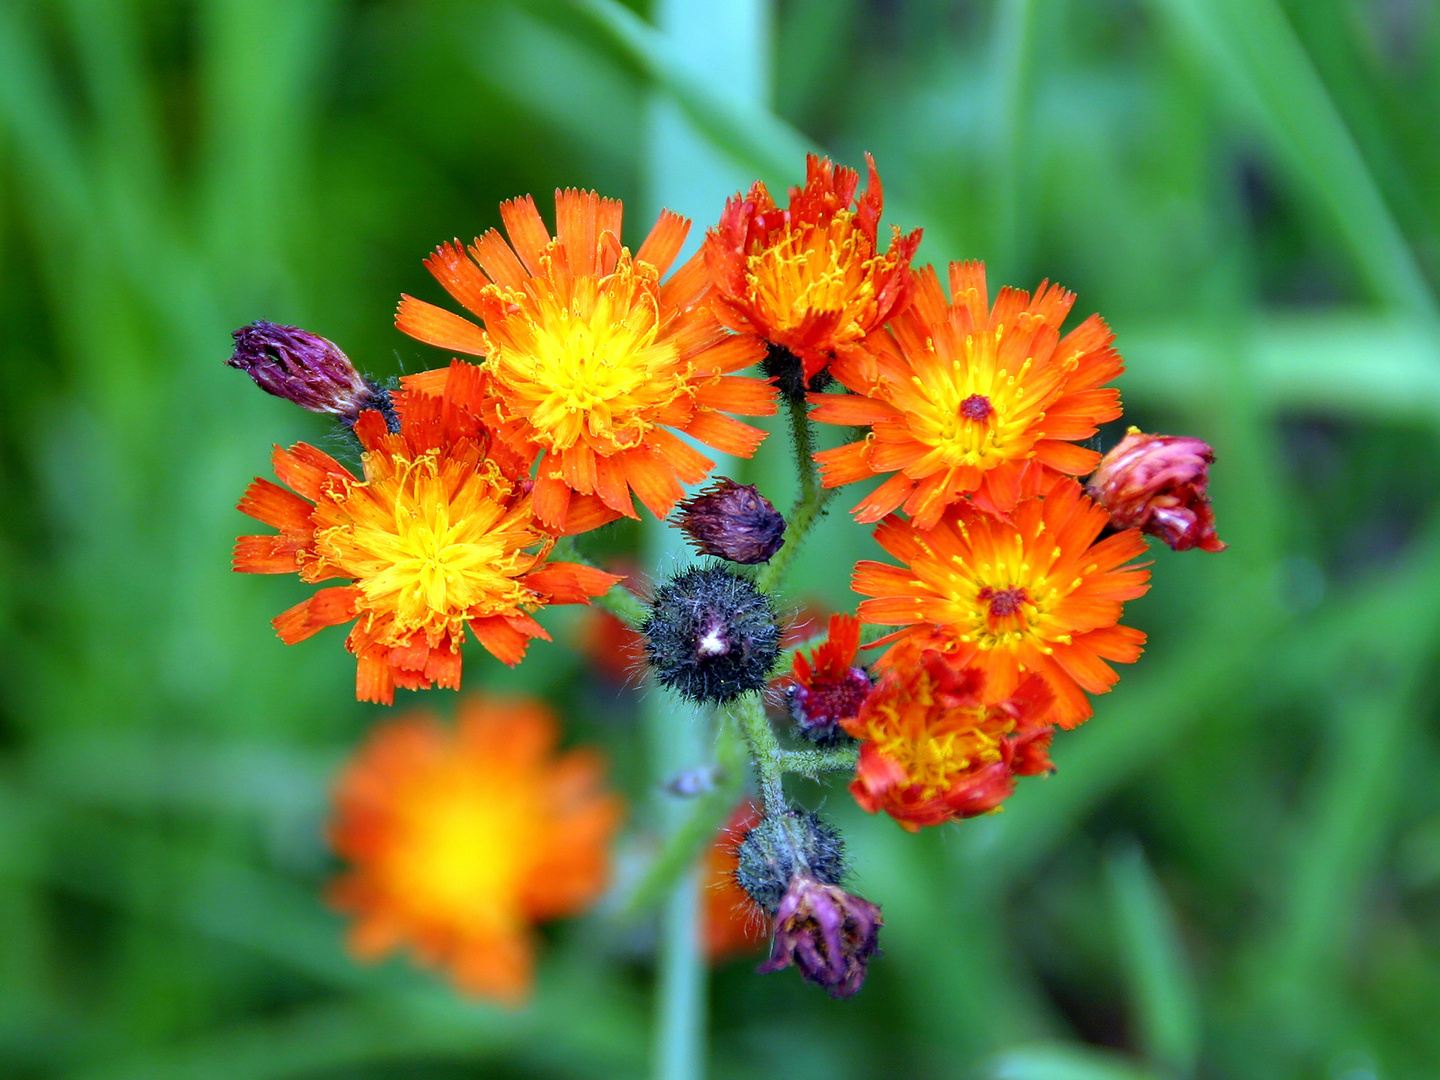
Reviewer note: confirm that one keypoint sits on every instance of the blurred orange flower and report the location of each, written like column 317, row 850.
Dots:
column 935, row 750
column 810, row 278
column 462, row 839
column 590, row 359
column 437, row 536
column 733, row 922
column 965, row 399
column 1034, row 594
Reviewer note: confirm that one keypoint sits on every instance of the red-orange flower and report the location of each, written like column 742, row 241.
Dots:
column 439, row 534
column 829, row 687
column 591, row 361
column 809, row 279
column 461, row 840
column 964, row 399
column 1032, row 594
column 733, row 923
column 936, row 750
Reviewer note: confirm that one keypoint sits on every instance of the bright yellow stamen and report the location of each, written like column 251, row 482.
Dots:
column 935, row 745
column 469, row 842
column 433, row 546
column 816, row 268
column 583, row 359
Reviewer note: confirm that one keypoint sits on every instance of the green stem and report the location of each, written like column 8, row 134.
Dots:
column 704, row 816
column 812, row 763
column 765, row 750
column 809, row 506
column 680, row 990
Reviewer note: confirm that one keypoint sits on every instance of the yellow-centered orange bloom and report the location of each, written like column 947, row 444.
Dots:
column 934, row 749
column 460, row 840
column 1034, row 594
column 437, row 536
column 591, row 360
column 965, row 399
column 809, row 278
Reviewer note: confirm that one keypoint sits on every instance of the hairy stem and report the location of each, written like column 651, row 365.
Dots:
column 765, row 751
column 809, row 505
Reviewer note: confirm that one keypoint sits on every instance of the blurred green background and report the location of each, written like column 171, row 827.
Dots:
column 1235, row 872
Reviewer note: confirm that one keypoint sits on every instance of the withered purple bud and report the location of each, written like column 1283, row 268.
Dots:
column 309, row 370
column 1156, row 483
column 733, row 521
column 828, row 933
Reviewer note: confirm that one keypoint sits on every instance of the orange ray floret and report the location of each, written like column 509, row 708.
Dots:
column 437, row 536
column 935, row 750
column 809, row 279
column 965, row 399
column 591, row 362
column 1031, row 595
column 460, row 840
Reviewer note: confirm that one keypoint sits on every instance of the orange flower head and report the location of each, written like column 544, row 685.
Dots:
column 733, row 923
column 828, row 686
column 591, row 360
column 935, row 750
column 965, row 399
column 437, row 536
column 1034, row 594
column 809, row 279
column 460, row 840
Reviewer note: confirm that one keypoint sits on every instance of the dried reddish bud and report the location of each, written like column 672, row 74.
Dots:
column 309, row 370
column 828, row 933
column 733, row 521
column 1156, row 483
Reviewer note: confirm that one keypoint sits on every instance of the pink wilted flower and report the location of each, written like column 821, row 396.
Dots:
column 1156, row 483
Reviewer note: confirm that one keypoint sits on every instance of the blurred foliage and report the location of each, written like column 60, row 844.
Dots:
column 1235, row 872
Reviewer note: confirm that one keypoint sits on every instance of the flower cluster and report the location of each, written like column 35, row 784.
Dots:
column 594, row 377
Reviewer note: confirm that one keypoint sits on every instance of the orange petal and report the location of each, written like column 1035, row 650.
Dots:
column 664, row 242
column 436, row 326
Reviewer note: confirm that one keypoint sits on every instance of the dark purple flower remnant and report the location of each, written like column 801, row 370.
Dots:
column 1156, row 483
column 733, row 521
column 309, row 370
column 828, row 933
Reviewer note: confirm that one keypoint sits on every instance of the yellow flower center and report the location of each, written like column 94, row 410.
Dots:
column 466, row 840
column 817, row 268
column 432, row 543
column 932, row 743
column 972, row 411
column 583, row 358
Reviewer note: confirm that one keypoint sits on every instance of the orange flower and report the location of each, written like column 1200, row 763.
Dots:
column 809, row 279
column 590, row 359
column 439, row 534
column 829, row 687
column 965, row 399
column 935, row 750
column 733, row 923
column 1034, row 594
column 462, row 839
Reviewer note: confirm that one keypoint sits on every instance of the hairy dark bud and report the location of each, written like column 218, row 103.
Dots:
column 733, row 521
column 783, row 845
column 309, row 370
column 711, row 635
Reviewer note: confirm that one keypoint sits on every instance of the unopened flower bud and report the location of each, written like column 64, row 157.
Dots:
column 1156, row 483
column 828, row 933
column 733, row 521
column 711, row 635
column 309, row 370
column 783, row 845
